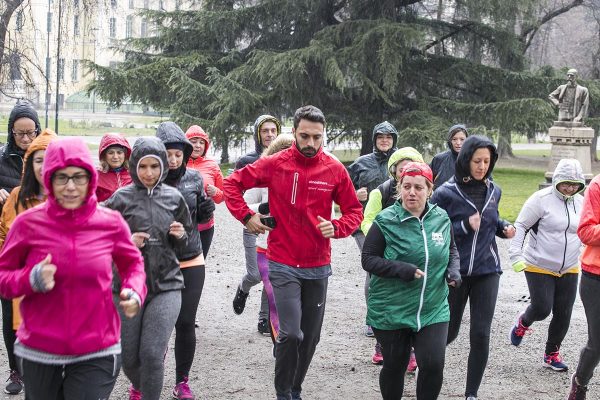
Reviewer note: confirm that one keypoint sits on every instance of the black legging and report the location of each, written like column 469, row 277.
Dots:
column 206, row 238
column 590, row 354
column 481, row 292
column 10, row 335
column 430, row 351
column 551, row 294
column 185, row 330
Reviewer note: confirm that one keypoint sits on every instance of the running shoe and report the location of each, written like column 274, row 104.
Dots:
column 15, row 383
column 518, row 331
column 471, row 398
column 134, row 394
column 182, row 391
column 377, row 358
column 239, row 301
column 369, row 331
column 263, row 326
column 296, row 396
column 412, row 363
column 578, row 392
column 554, row 360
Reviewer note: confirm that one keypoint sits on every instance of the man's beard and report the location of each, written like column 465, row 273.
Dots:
column 308, row 151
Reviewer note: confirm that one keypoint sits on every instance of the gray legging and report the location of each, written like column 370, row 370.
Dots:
column 144, row 340
column 252, row 276
column 590, row 354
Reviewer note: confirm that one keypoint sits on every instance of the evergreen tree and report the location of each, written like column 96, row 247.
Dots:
column 421, row 65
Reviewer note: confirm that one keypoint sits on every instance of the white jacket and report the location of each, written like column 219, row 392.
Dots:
column 551, row 219
column 254, row 197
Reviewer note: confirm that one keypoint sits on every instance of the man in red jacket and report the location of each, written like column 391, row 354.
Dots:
column 303, row 182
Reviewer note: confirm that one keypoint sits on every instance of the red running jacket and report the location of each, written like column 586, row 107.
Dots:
column 300, row 189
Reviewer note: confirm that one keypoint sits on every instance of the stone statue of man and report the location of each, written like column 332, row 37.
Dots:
column 571, row 99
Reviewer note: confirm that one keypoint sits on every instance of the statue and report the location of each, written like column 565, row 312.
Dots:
column 571, row 99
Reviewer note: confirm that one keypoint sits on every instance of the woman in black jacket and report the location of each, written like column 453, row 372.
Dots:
column 191, row 185
column 161, row 227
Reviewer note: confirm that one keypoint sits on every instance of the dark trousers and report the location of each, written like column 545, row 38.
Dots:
column 301, row 307
column 9, row 334
column 590, row 354
column 481, row 292
column 551, row 294
column 86, row 380
column 430, row 351
column 206, row 238
column 185, row 329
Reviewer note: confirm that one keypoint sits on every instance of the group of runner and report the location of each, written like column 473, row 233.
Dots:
column 426, row 235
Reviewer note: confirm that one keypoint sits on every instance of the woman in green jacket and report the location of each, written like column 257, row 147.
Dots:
column 411, row 256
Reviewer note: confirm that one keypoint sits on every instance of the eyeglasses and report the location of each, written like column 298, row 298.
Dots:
column 78, row 180
column 30, row 134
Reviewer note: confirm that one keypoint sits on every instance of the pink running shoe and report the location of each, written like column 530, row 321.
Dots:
column 134, row 394
column 182, row 391
column 377, row 358
column 412, row 363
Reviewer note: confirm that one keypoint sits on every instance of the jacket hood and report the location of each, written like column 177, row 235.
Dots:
column 463, row 170
column 170, row 132
column 385, row 127
column 452, row 131
column 196, row 131
column 63, row 153
column 568, row 170
column 142, row 148
column 40, row 143
column 23, row 109
column 114, row 139
column 258, row 146
column 405, row 153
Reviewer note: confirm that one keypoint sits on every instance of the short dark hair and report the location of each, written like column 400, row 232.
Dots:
column 310, row 113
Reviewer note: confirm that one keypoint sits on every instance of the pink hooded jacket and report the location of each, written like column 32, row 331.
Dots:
column 78, row 315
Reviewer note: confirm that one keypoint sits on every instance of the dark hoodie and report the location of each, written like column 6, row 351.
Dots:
column 442, row 164
column 478, row 250
column 11, row 156
column 371, row 170
column 152, row 210
column 252, row 156
column 191, row 185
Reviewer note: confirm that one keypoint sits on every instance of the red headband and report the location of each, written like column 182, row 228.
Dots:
column 417, row 169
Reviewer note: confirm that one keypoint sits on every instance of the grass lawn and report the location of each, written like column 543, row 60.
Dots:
column 517, row 185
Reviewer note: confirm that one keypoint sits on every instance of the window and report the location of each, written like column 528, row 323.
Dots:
column 144, row 28
column 20, row 21
column 76, row 25
column 177, row 4
column 113, row 3
column 161, row 5
column 129, row 26
column 61, row 69
column 112, row 27
column 146, row 4
column 75, row 3
column 15, row 67
column 131, row 4
column 75, row 71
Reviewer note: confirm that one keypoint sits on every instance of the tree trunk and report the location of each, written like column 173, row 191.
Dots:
column 366, row 146
column 224, row 144
column 504, row 144
column 11, row 6
column 439, row 50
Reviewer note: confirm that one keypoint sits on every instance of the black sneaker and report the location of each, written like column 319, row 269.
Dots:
column 239, row 301
column 15, row 383
column 263, row 326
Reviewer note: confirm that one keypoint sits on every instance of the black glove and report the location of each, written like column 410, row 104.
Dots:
column 205, row 210
column 263, row 208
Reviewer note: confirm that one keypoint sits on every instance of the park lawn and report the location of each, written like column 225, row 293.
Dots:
column 517, row 185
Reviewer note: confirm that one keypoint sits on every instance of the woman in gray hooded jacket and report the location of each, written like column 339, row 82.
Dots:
column 550, row 258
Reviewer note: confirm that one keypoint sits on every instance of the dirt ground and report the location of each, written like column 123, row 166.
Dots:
column 234, row 362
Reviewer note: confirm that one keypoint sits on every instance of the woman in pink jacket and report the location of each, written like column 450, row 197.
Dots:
column 59, row 256
column 113, row 154
column 212, row 176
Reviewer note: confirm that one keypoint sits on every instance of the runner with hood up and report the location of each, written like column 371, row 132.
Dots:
column 551, row 257
column 471, row 200
column 213, row 178
column 113, row 153
column 189, row 182
column 443, row 163
column 266, row 128
column 160, row 223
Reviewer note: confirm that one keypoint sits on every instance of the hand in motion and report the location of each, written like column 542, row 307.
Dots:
column 211, row 190
column 139, row 239
column 43, row 280
column 475, row 221
column 419, row 274
column 176, row 230
column 255, row 226
column 509, row 231
column 362, row 194
column 3, row 196
column 326, row 227
column 128, row 303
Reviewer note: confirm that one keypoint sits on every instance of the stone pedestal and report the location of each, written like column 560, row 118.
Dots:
column 570, row 140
